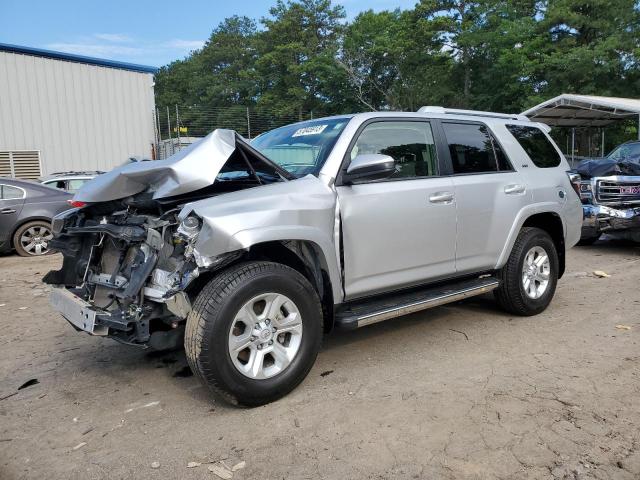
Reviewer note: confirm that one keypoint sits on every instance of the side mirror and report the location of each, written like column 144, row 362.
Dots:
column 371, row 166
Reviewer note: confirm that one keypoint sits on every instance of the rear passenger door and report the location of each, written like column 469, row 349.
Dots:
column 489, row 193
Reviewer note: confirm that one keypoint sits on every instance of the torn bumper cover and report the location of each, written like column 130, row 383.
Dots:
column 601, row 219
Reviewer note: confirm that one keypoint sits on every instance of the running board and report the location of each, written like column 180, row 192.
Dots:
column 365, row 312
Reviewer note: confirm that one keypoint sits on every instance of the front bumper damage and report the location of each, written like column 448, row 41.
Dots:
column 598, row 219
column 131, row 253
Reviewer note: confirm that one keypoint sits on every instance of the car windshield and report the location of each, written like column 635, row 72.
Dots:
column 625, row 151
column 302, row 148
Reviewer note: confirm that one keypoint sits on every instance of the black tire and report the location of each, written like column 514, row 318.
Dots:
column 511, row 294
column 209, row 323
column 586, row 241
column 39, row 226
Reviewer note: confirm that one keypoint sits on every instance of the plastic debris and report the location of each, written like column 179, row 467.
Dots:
column 220, row 471
column 238, row 466
column 147, row 405
column 623, row 327
column 601, row 274
column 193, row 464
column 29, row 383
column 80, row 445
column 155, row 464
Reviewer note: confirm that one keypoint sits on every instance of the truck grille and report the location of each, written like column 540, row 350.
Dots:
column 618, row 192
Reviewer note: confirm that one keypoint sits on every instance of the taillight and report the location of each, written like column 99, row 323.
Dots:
column 575, row 180
column 76, row 203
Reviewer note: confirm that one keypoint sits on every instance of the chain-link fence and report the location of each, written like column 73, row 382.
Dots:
column 178, row 127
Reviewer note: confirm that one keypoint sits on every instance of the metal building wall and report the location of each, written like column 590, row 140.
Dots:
column 80, row 116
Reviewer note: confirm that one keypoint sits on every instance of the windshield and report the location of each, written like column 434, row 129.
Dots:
column 625, row 151
column 302, row 148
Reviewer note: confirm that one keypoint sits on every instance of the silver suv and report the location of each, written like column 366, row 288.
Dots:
column 248, row 252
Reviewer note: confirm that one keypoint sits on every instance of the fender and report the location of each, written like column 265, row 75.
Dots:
column 302, row 209
column 521, row 218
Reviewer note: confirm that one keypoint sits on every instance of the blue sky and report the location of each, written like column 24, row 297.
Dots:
column 138, row 31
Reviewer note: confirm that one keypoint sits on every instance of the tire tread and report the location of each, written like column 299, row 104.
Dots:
column 207, row 304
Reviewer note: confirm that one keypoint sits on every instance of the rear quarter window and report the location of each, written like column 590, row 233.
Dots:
column 533, row 140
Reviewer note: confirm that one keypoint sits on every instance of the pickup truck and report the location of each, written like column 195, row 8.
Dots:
column 247, row 252
column 609, row 188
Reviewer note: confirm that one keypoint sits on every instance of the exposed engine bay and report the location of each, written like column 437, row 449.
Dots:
column 129, row 262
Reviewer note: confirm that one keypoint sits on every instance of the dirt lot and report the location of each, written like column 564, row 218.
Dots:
column 463, row 391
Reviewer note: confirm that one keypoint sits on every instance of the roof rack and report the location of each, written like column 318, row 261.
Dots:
column 473, row 113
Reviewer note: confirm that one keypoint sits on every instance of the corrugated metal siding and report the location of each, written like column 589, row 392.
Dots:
column 80, row 117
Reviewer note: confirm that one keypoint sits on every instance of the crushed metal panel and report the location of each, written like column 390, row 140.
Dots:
column 188, row 170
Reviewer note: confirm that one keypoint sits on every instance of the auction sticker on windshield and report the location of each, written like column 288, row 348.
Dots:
column 316, row 129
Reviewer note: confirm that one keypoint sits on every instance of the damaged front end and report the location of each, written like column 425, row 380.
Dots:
column 130, row 259
column 610, row 195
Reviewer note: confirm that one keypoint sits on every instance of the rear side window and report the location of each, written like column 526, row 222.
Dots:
column 10, row 193
column 537, row 145
column 473, row 149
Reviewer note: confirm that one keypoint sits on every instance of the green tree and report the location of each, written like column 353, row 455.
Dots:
column 297, row 52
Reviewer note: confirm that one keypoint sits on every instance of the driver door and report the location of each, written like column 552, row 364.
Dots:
column 400, row 231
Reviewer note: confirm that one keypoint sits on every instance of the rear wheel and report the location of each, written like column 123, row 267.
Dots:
column 32, row 239
column 528, row 280
column 254, row 332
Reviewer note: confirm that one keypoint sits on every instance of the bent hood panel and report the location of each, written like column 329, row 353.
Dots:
column 190, row 169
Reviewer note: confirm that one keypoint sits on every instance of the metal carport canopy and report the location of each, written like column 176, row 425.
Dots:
column 569, row 110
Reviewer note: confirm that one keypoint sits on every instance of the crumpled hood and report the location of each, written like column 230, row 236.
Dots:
column 190, row 169
column 605, row 167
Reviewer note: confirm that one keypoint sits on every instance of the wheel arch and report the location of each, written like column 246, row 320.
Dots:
column 548, row 220
column 304, row 256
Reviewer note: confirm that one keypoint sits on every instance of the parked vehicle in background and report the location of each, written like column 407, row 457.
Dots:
column 69, row 181
column 26, row 210
column 251, row 251
column 609, row 189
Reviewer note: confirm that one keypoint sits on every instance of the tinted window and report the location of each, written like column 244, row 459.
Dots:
column 537, row 145
column 625, row 151
column 409, row 143
column 10, row 193
column 473, row 149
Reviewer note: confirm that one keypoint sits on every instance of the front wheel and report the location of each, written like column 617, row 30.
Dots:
column 528, row 280
column 254, row 332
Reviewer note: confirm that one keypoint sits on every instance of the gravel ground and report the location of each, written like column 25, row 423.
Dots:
column 461, row 391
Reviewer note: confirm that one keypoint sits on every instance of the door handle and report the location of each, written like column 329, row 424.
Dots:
column 441, row 197
column 7, row 210
column 514, row 189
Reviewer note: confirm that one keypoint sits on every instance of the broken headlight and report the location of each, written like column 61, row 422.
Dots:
column 189, row 227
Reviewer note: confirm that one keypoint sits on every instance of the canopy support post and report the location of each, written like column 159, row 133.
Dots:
column 639, row 126
column 573, row 144
column 602, row 144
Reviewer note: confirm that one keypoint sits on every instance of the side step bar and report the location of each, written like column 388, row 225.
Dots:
column 373, row 310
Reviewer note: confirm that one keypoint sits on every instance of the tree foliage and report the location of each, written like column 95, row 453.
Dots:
column 501, row 55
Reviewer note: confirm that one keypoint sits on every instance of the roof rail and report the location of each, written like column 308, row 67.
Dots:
column 473, row 113
column 77, row 172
